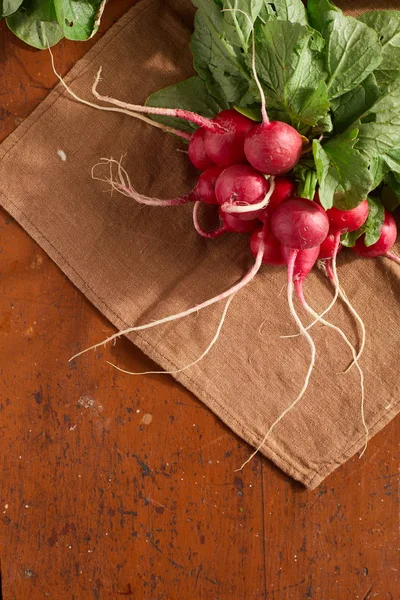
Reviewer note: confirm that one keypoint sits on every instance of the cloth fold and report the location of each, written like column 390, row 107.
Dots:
column 138, row 263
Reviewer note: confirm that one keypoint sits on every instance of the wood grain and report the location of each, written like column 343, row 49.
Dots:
column 118, row 487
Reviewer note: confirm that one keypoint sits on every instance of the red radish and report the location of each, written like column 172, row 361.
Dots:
column 299, row 223
column 272, row 253
column 241, row 186
column 285, row 188
column 225, row 144
column 327, row 248
column 197, row 153
column 205, row 188
column 385, row 243
column 344, row 221
column 204, row 191
column 236, row 224
column 273, row 147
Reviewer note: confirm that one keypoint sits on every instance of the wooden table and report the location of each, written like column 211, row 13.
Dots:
column 116, row 487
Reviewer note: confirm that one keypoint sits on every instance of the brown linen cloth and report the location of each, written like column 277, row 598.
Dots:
column 139, row 263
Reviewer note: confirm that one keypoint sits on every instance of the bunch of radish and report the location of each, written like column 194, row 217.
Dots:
column 247, row 174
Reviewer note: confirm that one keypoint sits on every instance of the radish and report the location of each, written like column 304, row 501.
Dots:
column 300, row 223
column 273, row 147
column 205, row 188
column 197, row 153
column 204, row 191
column 344, row 221
column 272, row 252
column 285, row 188
column 225, row 145
column 385, row 243
column 240, row 186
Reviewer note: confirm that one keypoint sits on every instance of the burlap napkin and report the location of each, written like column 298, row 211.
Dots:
column 139, row 263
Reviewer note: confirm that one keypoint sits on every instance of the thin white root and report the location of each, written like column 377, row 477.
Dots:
column 320, row 316
column 232, row 208
column 231, row 291
column 355, row 362
column 124, row 111
column 310, row 368
column 124, row 186
column 192, row 364
column 339, row 290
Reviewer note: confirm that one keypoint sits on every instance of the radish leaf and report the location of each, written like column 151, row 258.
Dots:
column 8, row 7
column 343, row 174
column 35, row 24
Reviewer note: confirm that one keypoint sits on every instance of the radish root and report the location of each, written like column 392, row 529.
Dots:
column 124, row 186
column 192, row 364
column 310, row 341
column 231, row 291
column 355, row 359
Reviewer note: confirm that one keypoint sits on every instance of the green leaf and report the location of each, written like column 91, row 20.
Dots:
column 79, row 19
column 251, row 112
column 35, row 24
column 290, row 70
column 351, row 106
column 286, row 10
column 237, row 26
column 343, row 175
column 190, row 94
column 387, row 25
column 379, row 129
column 372, row 227
column 321, row 14
column 217, row 58
column 353, row 50
column 8, row 7
column 391, row 191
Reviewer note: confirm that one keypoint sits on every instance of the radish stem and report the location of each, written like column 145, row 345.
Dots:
column 265, row 118
column 166, row 128
column 291, row 263
column 186, row 115
column 232, row 290
column 206, row 351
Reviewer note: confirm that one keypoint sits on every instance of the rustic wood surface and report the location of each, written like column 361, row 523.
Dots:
column 116, row 487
